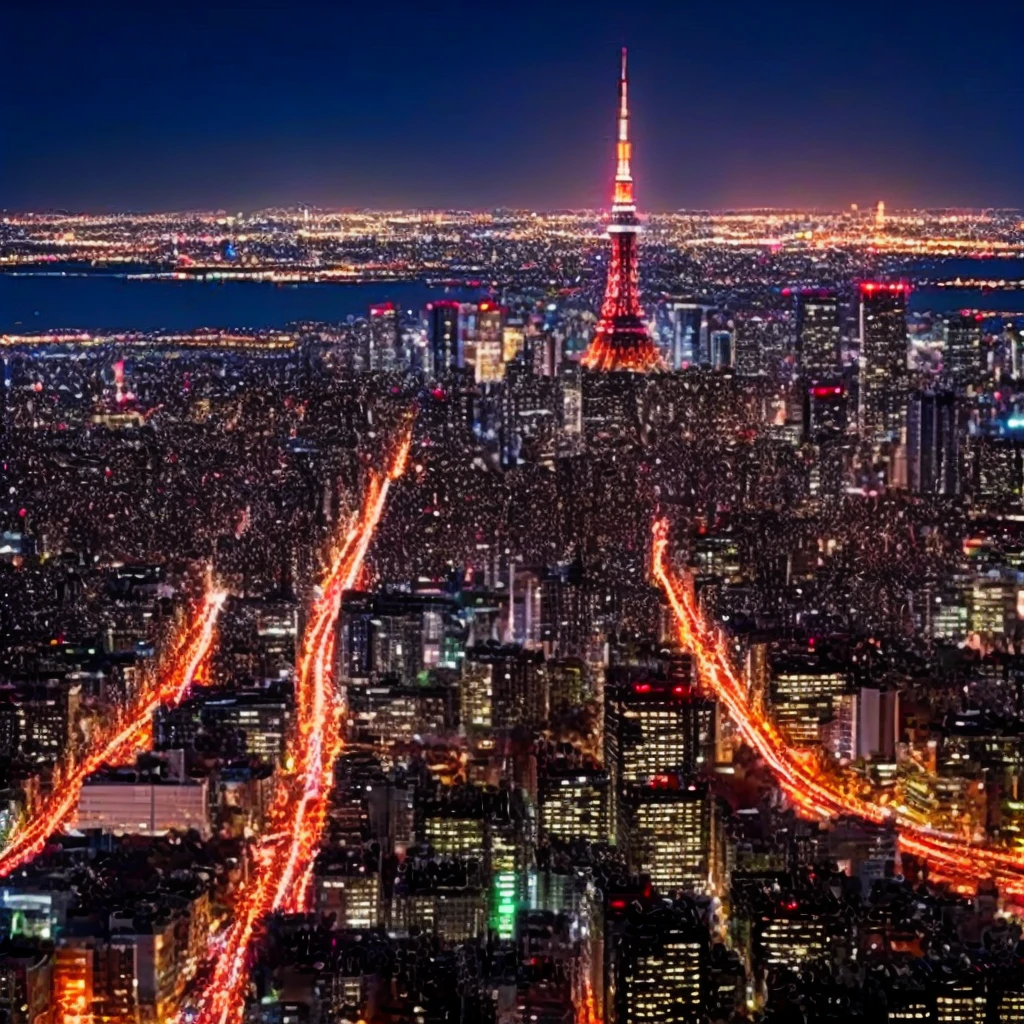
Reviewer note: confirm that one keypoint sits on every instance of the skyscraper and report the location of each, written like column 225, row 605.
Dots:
column 962, row 363
column 653, row 727
column 483, row 342
column 622, row 341
column 445, row 335
column 883, row 360
column 658, row 967
column 817, row 334
column 934, row 444
column 385, row 340
column 573, row 802
column 669, row 831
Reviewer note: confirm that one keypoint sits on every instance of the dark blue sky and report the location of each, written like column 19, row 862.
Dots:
column 736, row 102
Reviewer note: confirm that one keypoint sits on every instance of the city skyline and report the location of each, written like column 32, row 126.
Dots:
column 238, row 109
column 485, row 618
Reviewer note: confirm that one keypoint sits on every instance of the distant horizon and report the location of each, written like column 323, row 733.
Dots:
column 448, row 106
column 295, row 207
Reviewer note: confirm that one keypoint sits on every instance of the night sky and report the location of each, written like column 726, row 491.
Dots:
column 736, row 103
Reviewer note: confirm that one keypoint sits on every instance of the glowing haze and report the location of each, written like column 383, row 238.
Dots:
column 471, row 107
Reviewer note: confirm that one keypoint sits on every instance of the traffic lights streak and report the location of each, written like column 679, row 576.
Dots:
column 950, row 857
column 128, row 733
column 283, row 863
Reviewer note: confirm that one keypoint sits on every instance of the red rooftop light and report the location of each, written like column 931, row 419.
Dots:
column 867, row 287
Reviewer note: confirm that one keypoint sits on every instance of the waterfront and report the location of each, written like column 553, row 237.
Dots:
column 107, row 301
column 30, row 303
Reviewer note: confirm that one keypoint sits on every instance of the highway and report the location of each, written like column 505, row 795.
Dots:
column 962, row 863
column 281, row 874
column 128, row 733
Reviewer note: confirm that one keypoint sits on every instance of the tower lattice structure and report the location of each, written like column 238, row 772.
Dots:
column 622, row 341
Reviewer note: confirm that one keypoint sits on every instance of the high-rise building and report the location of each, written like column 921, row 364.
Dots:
column 669, row 830
column 817, row 335
column 688, row 326
column 455, row 832
column 444, row 332
column 934, row 443
column 997, row 471
column 825, row 413
column 25, row 985
column 483, row 339
column 883, row 360
column 529, row 413
column 622, row 341
column 794, row 933
column 443, row 898
column 574, row 802
column 47, row 711
column 395, row 636
column 721, row 342
column 385, row 338
column 656, row 726
column 658, row 970
column 803, row 698
column 517, row 686
column 572, row 402
column 760, row 343
column 962, row 364
column 348, row 885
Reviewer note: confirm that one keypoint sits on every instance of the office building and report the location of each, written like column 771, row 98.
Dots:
column 47, row 710
column 450, row 835
column 721, row 342
column 482, row 331
column 996, row 472
column 803, row 699
column 574, row 801
column 935, row 436
column 656, row 726
column 688, row 332
column 825, row 413
column 259, row 719
column 669, row 831
column 518, row 684
column 792, row 934
column 817, row 335
column 26, row 975
column 384, row 336
column 659, row 968
column 444, row 325
column 963, row 357
column 348, row 885
column 883, row 361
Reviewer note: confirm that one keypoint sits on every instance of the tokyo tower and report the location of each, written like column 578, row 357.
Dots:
column 622, row 341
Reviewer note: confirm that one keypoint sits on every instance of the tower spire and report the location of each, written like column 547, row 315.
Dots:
column 623, row 174
column 622, row 341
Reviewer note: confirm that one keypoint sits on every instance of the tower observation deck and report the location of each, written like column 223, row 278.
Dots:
column 622, row 341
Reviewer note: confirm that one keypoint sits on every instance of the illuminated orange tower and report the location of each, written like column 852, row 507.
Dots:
column 622, row 341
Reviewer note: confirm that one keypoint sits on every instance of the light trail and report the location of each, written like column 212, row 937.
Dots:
column 949, row 857
column 129, row 732
column 283, row 866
